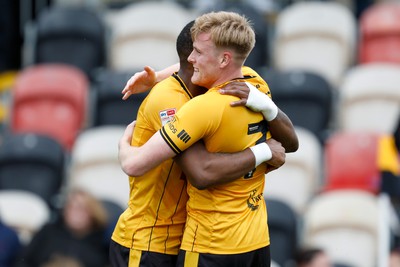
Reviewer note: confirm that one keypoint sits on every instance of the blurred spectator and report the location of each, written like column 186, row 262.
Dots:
column 62, row 261
column 10, row 245
column 394, row 258
column 312, row 257
column 75, row 237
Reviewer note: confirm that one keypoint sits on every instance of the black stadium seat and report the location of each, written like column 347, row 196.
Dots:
column 34, row 163
column 282, row 224
column 108, row 106
column 306, row 97
column 71, row 35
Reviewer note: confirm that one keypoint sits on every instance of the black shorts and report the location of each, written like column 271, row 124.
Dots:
column 256, row 258
column 121, row 256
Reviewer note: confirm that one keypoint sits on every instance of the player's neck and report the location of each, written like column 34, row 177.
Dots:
column 228, row 75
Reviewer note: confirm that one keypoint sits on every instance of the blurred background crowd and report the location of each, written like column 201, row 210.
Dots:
column 332, row 66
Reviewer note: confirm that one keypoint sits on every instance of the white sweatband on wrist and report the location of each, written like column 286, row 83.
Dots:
column 260, row 102
column 261, row 152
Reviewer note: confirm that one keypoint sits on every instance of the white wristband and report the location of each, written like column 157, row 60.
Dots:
column 261, row 152
column 260, row 102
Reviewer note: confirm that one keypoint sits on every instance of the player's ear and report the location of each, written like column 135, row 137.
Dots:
column 225, row 59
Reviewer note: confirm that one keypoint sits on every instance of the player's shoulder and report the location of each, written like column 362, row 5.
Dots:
column 167, row 85
column 247, row 71
column 254, row 78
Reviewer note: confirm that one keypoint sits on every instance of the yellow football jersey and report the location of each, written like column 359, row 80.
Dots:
column 229, row 218
column 155, row 218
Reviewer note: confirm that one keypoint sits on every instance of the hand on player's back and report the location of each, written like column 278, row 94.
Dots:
column 239, row 89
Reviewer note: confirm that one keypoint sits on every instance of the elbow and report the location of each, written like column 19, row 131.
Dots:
column 131, row 169
column 292, row 145
column 199, row 186
column 202, row 181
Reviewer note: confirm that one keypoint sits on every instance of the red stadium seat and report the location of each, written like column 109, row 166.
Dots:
column 351, row 162
column 380, row 33
column 50, row 99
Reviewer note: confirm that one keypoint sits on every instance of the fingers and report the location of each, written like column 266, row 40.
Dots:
column 129, row 88
column 149, row 69
column 234, row 92
column 240, row 102
column 270, row 168
column 126, row 95
column 238, row 89
column 278, row 153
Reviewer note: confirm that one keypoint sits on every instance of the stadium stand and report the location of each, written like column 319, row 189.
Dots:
column 95, row 167
column 107, row 107
column 369, row 98
column 313, row 77
column 138, row 39
column 23, row 211
column 308, row 34
column 299, row 179
column 50, row 99
column 283, row 224
column 34, row 163
column 379, row 33
column 345, row 223
column 73, row 35
column 351, row 162
column 310, row 93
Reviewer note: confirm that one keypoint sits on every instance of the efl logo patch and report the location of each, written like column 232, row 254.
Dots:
column 166, row 115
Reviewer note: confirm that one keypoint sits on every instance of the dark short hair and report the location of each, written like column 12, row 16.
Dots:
column 184, row 43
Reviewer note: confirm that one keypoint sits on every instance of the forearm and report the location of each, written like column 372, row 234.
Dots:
column 130, row 163
column 282, row 130
column 204, row 169
column 165, row 73
column 280, row 125
column 136, row 161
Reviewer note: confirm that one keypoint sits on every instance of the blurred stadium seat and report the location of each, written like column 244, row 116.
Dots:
column 282, row 223
column 72, row 35
column 108, row 107
column 23, row 211
column 50, row 99
column 95, row 167
column 369, row 98
column 318, row 36
column 345, row 224
column 379, row 31
column 32, row 162
column 351, row 161
column 306, row 97
column 297, row 181
column 144, row 33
